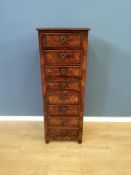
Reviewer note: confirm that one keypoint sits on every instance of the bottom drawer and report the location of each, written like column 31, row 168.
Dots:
column 63, row 122
column 63, row 134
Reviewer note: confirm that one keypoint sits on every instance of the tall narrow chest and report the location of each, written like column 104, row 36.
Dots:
column 63, row 57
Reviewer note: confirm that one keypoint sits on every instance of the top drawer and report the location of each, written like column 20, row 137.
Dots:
column 62, row 40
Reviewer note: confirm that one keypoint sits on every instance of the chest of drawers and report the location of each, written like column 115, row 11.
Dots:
column 63, row 57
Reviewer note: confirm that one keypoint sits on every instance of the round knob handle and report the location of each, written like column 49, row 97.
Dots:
column 62, row 97
column 63, row 39
column 63, row 71
column 63, row 55
column 62, row 85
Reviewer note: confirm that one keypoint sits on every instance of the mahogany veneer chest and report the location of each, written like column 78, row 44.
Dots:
column 63, row 55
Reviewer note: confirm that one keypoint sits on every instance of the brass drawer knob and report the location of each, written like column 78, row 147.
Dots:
column 63, row 71
column 62, row 98
column 63, row 39
column 63, row 55
column 62, row 85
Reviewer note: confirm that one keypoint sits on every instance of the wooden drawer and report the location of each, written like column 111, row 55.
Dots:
column 64, row 57
column 61, row 110
column 62, row 40
column 63, row 85
column 63, row 133
column 63, row 98
column 61, row 71
column 63, row 122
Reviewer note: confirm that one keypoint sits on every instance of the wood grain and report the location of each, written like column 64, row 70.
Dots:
column 64, row 57
column 62, row 40
column 62, row 71
column 63, row 54
column 61, row 110
column 106, row 150
column 63, row 122
column 63, row 98
column 63, row 85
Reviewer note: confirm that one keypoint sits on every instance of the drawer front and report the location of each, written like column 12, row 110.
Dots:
column 63, row 85
column 64, row 57
column 54, row 71
column 62, row 40
column 63, row 133
column 63, row 122
column 61, row 110
column 63, row 98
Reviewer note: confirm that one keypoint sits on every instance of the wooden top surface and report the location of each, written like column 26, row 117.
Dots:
column 70, row 29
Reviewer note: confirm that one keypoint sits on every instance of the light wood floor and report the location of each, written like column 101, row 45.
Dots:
column 106, row 150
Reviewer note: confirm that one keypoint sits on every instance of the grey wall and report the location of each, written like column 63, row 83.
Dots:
column 108, row 74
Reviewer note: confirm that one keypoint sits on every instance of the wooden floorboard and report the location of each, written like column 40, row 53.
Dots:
column 106, row 150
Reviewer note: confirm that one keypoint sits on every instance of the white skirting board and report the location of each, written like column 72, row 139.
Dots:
column 86, row 118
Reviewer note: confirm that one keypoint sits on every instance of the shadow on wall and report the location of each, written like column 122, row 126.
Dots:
column 108, row 80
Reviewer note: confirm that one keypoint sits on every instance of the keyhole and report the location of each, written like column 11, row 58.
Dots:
column 62, row 97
